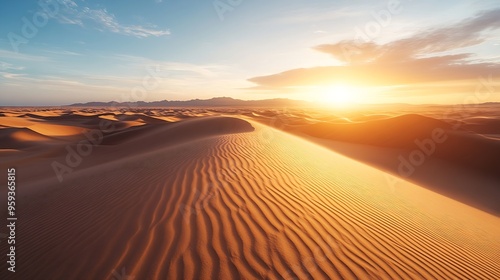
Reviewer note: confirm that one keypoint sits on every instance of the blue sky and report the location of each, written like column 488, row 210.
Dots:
column 81, row 51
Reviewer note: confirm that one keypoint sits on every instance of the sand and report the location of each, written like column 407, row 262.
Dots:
column 453, row 152
column 226, row 197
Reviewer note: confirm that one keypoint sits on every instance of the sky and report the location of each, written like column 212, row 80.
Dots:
column 57, row 52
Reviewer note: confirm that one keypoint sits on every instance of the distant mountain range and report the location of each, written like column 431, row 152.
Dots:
column 213, row 102
column 231, row 102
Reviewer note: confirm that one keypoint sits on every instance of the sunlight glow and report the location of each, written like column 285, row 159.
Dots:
column 340, row 95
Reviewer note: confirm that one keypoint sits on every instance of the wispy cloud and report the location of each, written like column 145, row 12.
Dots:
column 172, row 67
column 310, row 15
column 4, row 66
column 428, row 56
column 63, row 52
column 20, row 56
column 56, row 92
column 59, row 82
column 174, row 80
column 464, row 34
column 13, row 76
column 72, row 13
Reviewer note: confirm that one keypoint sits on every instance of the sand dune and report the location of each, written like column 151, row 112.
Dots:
column 461, row 148
column 39, row 126
column 464, row 164
column 484, row 125
column 18, row 138
column 229, row 198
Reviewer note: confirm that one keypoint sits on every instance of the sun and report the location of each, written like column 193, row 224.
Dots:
column 339, row 95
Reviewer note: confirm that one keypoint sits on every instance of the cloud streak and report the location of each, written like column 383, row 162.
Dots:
column 8, row 66
column 72, row 13
column 425, row 57
column 20, row 56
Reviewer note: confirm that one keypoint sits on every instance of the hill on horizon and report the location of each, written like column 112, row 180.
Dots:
column 212, row 102
column 232, row 102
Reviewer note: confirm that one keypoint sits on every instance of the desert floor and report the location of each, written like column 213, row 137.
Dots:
column 151, row 193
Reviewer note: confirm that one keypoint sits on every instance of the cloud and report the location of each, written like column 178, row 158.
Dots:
column 311, row 15
column 466, row 33
column 173, row 79
column 20, row 56
column 428, row 56
column 53, row 82
column 71, row 13
column 4, row 66
column 433, row 69
column 63, row 52
column 173, row 68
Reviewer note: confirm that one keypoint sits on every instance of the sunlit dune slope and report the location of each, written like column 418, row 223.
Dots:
column 245, row 204
column 15, row 138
